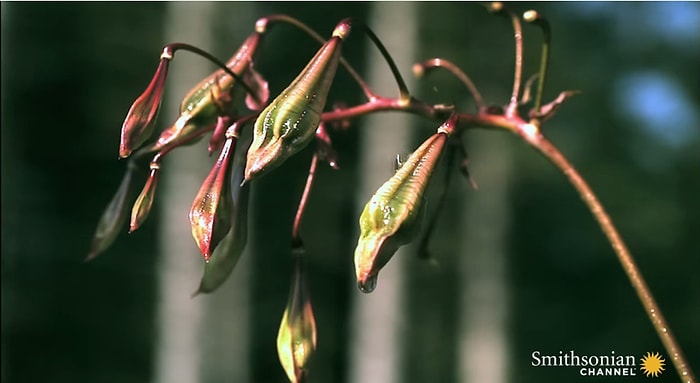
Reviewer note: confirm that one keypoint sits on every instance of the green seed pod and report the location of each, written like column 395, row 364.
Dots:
column 288, row 124
column 203, row 97
column 296, row 339
column 391, row 217
column 214, row 96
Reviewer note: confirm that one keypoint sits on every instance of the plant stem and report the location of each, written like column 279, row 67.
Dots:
column 652, row 309
column 419, row 68
column 296, row 239
column 404, row 94
column 537, row 19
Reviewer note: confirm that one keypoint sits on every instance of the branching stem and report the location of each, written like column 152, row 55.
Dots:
column 512, row 108
column 537, row 19
column 652, row 309
column 419, row 68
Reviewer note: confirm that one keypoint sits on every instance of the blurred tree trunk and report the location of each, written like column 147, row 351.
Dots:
column 202, row 338
column 378, row 322
column 483, row 304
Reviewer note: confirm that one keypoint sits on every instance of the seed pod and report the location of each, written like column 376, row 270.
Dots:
column 288, row 124
column 114, row 216
column 140, row 120
column 213, row 97
column 210, row 215
column 391, row 217
column 226, row 255
column 144, row 202
column 296, row 339
column 203, row 97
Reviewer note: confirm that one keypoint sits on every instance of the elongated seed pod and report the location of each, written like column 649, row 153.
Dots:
column 227, row 254
column 210, row 215
column 391, row 217
column 214, row 96
column 288, row 124
column 200, row 96
column 296, row 338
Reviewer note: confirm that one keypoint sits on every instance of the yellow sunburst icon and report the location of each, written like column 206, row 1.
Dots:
column 652, row 364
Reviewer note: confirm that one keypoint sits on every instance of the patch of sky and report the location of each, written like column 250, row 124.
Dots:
column 677, row 23
column 658, row 105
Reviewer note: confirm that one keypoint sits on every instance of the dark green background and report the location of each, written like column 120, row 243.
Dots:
column 70, row 71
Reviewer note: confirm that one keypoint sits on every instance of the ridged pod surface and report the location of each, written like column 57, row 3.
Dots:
column 391, row 217
column 288, row 124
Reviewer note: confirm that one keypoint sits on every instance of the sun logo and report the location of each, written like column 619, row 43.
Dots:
column 652, row 364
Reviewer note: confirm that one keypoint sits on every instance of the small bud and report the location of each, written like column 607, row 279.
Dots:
column 392, row 216
column 113, row 218
column 210, row 215
column 140, row 120
column 144, row 202
column 288, row 124
column 296, row 339
column 226, row 255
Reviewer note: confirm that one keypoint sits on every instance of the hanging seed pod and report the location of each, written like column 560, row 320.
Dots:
column 210, row 215
column 215, row 96
column 140, row 120
column 288, row 124
column 296, row 339
column 226, row 255
column 203, row 97
column 144, row 202
column 114, row 216
column 391, row 217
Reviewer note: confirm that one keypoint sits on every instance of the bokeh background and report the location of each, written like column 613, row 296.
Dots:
column 519, row 265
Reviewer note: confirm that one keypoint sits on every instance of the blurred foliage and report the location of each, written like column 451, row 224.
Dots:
column 65, row 321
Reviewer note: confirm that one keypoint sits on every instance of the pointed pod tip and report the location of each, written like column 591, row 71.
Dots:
column 342, row 30
column 124, row 152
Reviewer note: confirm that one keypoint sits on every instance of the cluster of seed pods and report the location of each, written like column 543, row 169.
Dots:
column 281, row 128
column 287, row 125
